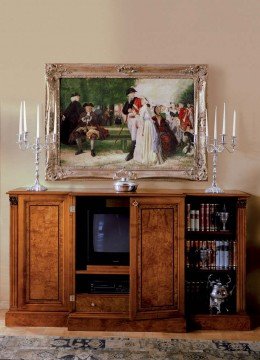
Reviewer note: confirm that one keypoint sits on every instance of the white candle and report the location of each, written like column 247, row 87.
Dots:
column 207, row 126
column 38, row 122
column 24, row 118
column 196, row 119
column 224, row 120
column 21, row 119
column 215, row 125
column 48, row 121
column 234, row 123
column 55, row 120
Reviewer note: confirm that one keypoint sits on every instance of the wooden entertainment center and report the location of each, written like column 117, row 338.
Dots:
column 168, row 278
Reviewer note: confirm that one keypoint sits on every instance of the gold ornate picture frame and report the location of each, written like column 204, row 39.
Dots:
column 139, row 117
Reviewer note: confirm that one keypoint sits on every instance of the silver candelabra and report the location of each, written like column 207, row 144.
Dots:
column 36, row 147
column 215, row 148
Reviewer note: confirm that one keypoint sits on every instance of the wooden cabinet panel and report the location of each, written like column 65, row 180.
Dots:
column 44, row 252
column 157, row 257
column 157, row 277
column 43, row 259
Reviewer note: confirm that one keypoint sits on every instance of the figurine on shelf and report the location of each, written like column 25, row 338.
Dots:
column 222, row 216
column 219, row 295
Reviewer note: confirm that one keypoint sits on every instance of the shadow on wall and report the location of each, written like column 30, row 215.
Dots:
column 253, row 256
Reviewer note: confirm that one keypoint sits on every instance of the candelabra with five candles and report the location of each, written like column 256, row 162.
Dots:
column 37, row 146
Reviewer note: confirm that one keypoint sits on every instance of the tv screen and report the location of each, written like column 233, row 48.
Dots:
column 102, row 231
column 110, row 233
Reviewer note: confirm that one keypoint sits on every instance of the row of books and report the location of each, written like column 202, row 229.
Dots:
column 197, row 296
column 211, row 254
column 203, row 219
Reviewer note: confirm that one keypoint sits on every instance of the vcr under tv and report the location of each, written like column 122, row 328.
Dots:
column 109, row 287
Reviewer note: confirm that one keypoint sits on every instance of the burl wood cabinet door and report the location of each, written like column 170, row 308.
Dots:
column 43, row 253
column 157, row 257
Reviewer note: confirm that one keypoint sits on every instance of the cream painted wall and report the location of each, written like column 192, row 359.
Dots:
column 225, row 34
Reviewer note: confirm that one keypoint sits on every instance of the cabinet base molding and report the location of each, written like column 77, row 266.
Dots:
column 84, row 322
column 220, row 322
column 46, row 319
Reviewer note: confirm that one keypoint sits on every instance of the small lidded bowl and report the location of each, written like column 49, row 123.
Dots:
column 124, row 182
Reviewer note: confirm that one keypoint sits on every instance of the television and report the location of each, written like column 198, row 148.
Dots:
column 102, row 233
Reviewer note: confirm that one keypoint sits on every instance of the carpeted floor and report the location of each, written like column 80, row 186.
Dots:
column 50, row 348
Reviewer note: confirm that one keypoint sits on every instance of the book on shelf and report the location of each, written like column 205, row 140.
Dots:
column 188, row 254
column 188, row 218
column 202, row 217
column 216, row 217
column 218, row 255
column 206, row 219
column 197, row 220
column 192, row 220
column 225, row 255
column 213, row 254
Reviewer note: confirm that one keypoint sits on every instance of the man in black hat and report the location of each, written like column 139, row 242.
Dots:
column 70, row 117
column 130, row 112
column 88, row 128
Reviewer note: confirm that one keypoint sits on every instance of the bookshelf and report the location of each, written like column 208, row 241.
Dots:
column 213, row 259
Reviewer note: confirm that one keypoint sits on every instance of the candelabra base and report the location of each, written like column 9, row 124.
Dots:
column 37, row 187
column 214, row 189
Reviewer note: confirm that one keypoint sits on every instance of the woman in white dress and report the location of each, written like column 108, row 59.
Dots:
column 148, row 148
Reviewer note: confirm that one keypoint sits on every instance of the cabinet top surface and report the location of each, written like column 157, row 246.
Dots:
column 110, row 192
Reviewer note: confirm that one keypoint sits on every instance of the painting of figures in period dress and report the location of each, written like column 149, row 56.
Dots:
column 142, row 118
column 130, row 123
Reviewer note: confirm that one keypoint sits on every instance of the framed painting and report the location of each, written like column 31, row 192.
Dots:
column 149, row 119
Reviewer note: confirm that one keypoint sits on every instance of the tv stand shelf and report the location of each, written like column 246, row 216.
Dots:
column 60, row 278
column 104, row 269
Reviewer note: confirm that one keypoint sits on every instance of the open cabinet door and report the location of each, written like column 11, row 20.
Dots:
column 157, row 258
